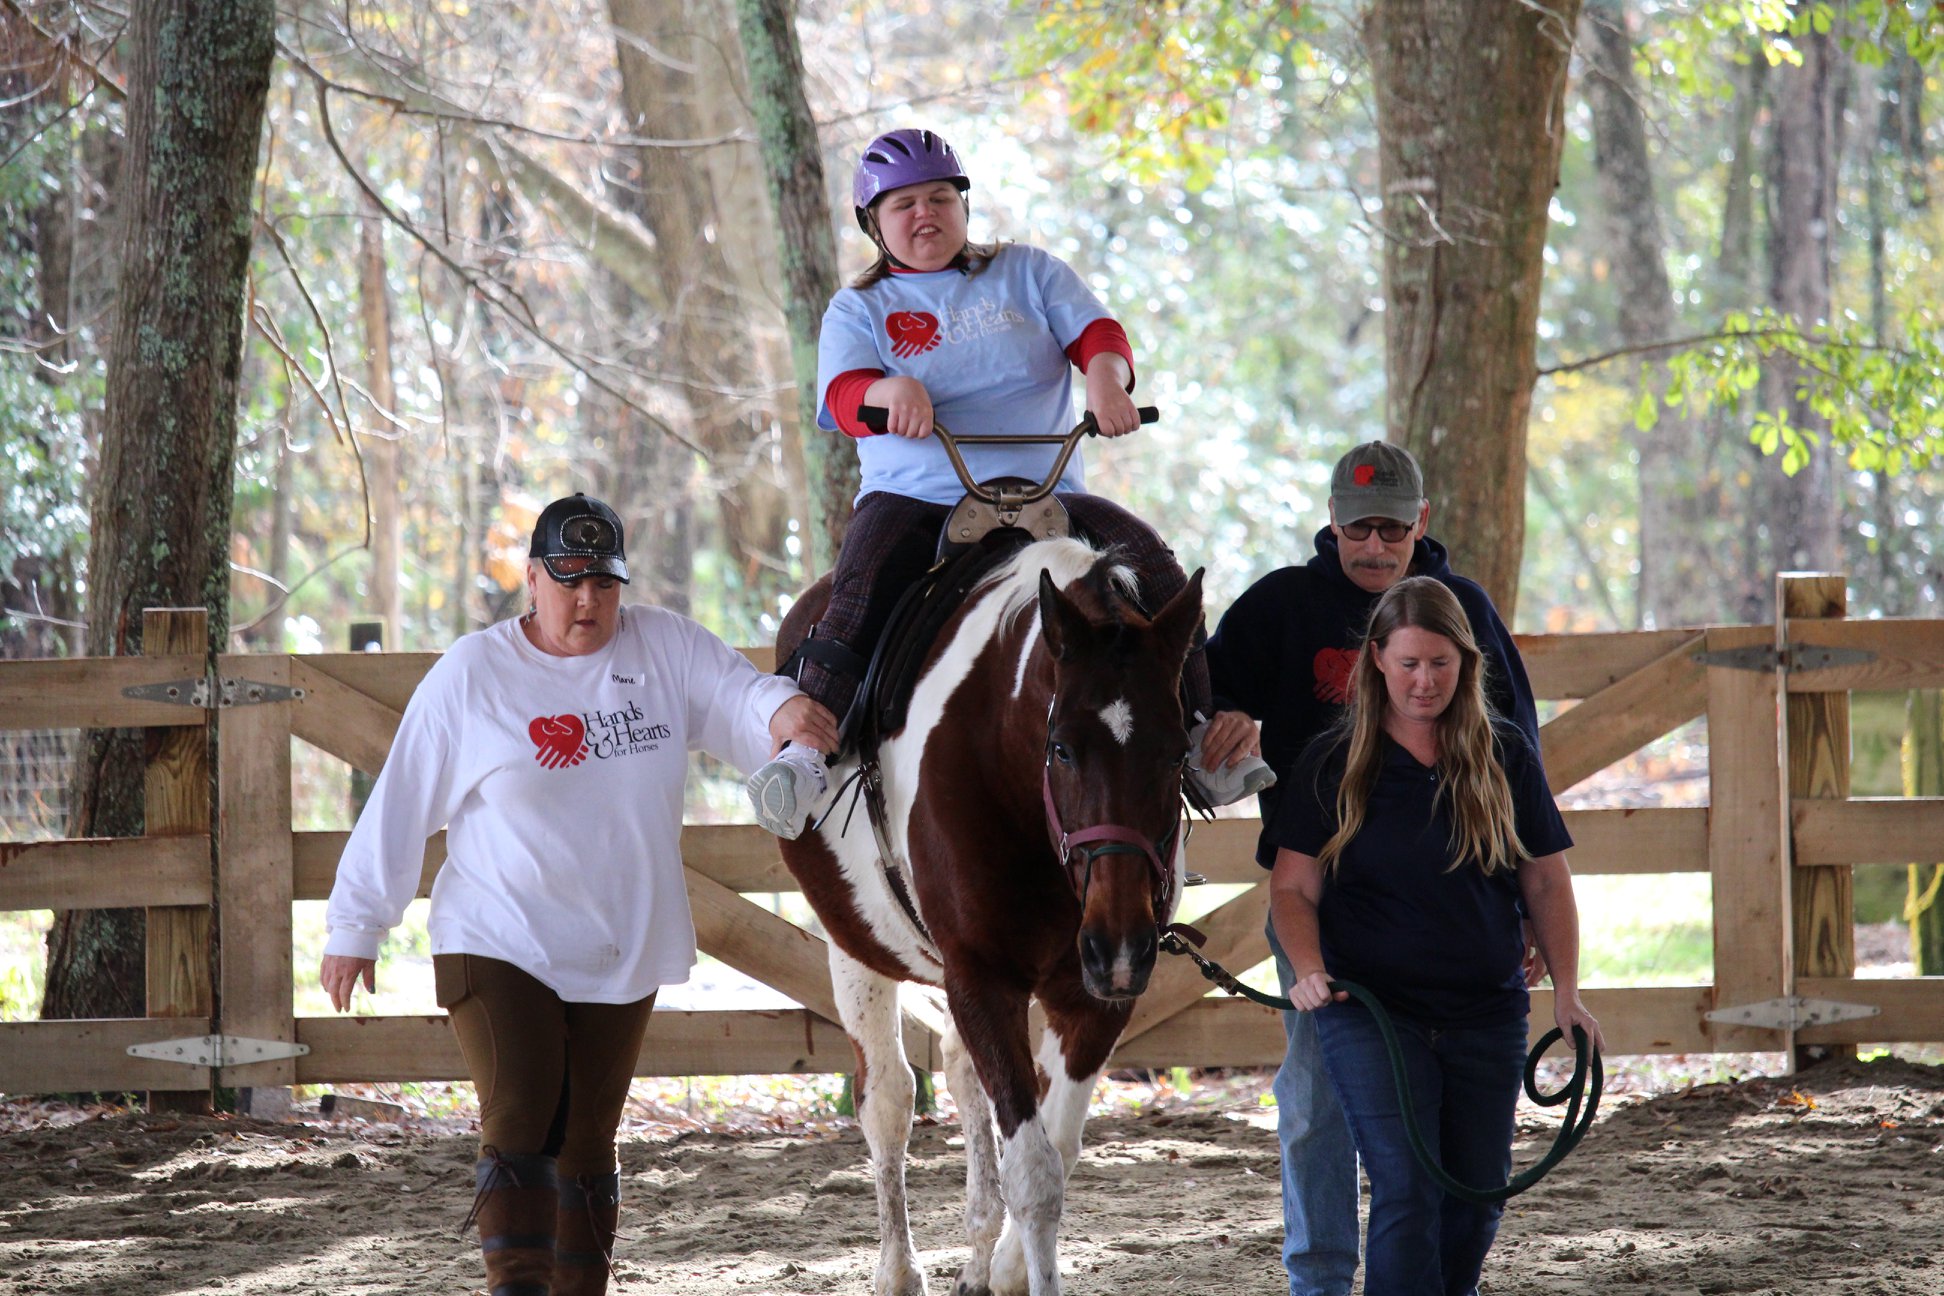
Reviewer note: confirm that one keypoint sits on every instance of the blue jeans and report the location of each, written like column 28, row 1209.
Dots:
column 1319, row 1162
column 1464, row 1090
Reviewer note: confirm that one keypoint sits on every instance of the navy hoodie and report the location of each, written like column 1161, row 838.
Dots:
column 1283, row 653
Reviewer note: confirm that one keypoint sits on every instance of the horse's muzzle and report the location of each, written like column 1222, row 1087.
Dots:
column 1116, row 968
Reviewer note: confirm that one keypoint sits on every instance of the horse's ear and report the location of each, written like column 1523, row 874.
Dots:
column 1059, row 618
column 1175, row 623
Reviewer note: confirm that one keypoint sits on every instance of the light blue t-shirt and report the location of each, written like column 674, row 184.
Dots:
column 991, row 350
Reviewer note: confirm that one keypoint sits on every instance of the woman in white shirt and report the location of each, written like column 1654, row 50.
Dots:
column 553, row 750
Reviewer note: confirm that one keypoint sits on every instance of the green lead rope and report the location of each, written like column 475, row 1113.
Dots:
column 1576, row 1090
column 1583, row 1087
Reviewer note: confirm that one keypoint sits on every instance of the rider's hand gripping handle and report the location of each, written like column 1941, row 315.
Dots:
column 877, row 418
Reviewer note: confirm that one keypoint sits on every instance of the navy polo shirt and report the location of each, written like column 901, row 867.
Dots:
column 1437, row 944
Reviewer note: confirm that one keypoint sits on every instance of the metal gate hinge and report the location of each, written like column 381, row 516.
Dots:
column 229, row 691
column 1796, row 657
column 183, row 692
column 217, row 1050
column 1792, row 1013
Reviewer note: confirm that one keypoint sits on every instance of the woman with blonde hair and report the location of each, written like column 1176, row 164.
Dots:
column 1417, row 835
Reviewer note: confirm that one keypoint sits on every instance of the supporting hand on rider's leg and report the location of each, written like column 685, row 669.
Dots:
column 805, row 721
column 1230, row 736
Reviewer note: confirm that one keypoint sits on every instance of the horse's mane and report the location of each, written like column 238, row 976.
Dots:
column 1096, row 579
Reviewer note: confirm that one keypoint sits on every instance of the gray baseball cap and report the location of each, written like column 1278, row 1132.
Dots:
column 1377, row 480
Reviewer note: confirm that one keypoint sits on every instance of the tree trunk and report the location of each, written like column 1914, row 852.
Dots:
column 793, row 161
column 1469, row 120
column 678, row 79
column 37, row 212
column 1796, row 516
column 198, row 77
column 1680, row 492
column 650, row 480
column 1923, row 775
column 1732, row 268
column 283, row 501
column 380, row 444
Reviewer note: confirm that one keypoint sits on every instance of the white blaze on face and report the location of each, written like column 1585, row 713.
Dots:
column 1119, row 719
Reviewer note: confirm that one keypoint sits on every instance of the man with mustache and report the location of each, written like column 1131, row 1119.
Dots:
column 1283, row 654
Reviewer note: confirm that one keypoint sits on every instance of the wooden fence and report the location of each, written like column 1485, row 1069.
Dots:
column 1779, row 838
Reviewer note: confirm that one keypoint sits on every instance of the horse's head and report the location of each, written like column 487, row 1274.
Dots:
column 1116, row 746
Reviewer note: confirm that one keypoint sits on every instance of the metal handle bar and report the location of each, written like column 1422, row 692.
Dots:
column 876, row 417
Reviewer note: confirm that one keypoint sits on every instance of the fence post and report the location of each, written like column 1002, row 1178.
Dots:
column 1747, row 842
column 1818, row 745
column 366, row 637
column 175, row 802
column 255, row 880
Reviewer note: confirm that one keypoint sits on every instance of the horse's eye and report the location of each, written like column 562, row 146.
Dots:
column 1062, row 753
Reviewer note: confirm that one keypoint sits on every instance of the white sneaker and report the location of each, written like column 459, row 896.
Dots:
column 1229, row 783
column 783, row 791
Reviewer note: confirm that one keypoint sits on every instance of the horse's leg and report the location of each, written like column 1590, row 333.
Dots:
column 992, row 1020
column 1073, row 1050
column 885, row 1091
column 985, row 1208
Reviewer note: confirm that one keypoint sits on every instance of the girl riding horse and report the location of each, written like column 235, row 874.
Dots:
column 981, row 336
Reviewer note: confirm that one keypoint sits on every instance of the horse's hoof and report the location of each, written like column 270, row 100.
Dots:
column 961, row 1289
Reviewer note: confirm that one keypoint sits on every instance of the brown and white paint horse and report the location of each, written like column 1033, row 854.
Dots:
column 1049, row 707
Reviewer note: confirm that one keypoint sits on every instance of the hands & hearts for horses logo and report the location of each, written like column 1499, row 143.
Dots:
column 561, row 740
column 1334, row 677
column 911, row 332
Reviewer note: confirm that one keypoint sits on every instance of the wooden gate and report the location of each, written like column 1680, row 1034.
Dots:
column 1778, row 838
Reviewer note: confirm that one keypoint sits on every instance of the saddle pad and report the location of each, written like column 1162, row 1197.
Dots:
column 917, row 617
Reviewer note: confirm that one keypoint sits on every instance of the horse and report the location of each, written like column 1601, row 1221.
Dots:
column 1032, row 806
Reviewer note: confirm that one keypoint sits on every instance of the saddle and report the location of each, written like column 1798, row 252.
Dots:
column 920, row 613
column 974, row 540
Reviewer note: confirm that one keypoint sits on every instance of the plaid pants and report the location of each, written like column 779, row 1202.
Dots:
column 891, row 543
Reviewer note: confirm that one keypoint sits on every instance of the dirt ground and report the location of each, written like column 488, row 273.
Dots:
column 1828, row 1182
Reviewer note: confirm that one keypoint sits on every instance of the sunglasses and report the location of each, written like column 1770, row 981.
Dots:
column 1388, row 532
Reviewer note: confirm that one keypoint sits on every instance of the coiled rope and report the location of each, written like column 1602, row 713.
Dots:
column 1580, row 1093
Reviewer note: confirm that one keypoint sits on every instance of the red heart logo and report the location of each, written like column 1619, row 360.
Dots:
column 1335, row 674
column 562, row 740
column 911, row 332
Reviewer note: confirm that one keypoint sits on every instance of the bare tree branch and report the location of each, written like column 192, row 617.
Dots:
column 1720, row 335
column 65, row 49
column 489, row 290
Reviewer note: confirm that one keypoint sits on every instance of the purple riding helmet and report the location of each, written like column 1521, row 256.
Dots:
column 907, row 156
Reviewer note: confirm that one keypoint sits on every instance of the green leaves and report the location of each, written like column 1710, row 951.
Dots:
column 1686, row 43
column 1168, row 78
column 1883, row 404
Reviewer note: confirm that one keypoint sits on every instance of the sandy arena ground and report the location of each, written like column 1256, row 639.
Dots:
column 1829, row 1182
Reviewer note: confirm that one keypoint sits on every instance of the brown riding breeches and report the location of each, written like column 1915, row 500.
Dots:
column 552, row 1075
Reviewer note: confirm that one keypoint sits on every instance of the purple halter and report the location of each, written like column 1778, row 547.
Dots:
column 1075, row 851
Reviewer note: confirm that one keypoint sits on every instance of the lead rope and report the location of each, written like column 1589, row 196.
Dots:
column 1583, row 1086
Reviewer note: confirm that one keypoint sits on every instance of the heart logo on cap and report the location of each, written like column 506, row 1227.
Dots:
column 1334, row 674
column 911, row 332
column 561, row 739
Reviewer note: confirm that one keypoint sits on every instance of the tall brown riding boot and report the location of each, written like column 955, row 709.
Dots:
column 515, row 1207
column 590, row 1208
